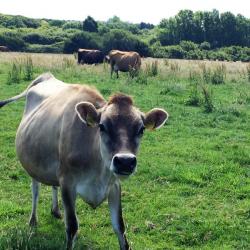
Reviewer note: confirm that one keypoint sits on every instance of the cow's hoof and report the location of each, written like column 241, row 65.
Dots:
column 56, row 213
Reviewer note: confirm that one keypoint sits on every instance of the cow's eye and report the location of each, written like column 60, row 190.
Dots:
column 141, row 131
column 102, row 127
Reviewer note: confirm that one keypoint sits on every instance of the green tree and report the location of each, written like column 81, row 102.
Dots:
column 212, row 28
column 228, row 28
column 90, row 25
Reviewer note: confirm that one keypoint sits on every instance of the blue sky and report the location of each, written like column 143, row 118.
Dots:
column 128, row 10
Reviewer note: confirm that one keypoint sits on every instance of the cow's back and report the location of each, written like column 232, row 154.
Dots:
column 39, row 93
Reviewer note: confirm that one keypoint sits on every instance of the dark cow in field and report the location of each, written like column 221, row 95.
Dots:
column 4, row 49
column 71, row 137
column 125, row 61
column 87, row 56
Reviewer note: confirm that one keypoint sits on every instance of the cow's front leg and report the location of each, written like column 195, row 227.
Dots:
column 69, row 198
column 114, row 200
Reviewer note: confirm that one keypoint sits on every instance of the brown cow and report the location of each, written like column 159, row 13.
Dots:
column 90, row 56
column 71, row 137
column 125, row 61
column 4, row 49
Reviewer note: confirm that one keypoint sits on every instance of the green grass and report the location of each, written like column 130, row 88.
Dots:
column 192, row 187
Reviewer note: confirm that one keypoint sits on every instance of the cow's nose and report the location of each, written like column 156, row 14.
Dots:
column 124, row 164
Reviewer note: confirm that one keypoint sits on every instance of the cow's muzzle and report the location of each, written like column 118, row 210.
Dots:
column 124, row 164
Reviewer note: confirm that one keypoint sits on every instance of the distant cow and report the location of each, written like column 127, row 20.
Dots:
column 4, row 49
column 90, row 56
column 71, row 137
column 125, row 61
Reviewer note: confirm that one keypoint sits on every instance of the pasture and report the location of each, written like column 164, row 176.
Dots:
column 192, row 186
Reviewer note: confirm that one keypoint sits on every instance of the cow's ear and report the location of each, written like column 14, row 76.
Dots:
column 87, row 113
column 155, row 118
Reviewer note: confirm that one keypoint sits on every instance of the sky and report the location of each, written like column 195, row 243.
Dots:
column 135, row 11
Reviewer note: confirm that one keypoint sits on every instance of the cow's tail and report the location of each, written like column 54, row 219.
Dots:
column 39, row 79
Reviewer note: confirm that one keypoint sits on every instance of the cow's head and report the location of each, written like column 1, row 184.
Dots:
column 121, row 127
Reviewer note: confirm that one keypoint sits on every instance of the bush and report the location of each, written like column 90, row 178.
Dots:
column 36, row 38
column 237, row 53
column 18, row 22
column 142, row 48
column 205, row 46
column 52, row 48
column 159, row 51
column 13, row 41
column 218, row 55
column 188, row 45
column 80, row 40
column 175, row 52
column 123, row 40
column 72, row 25
column 195, row 55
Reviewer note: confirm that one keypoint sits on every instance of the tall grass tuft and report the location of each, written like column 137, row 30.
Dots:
column 175, row 67
column 133, row 72
column 208, row 99
column 194, row 76
column 248, row 72
column 206, row 73
column 68, row 62
column 15, row 74
column 166, row 62
column 28, row 69
column 152, row 69
column 142, row 78
column 219, row 74
column 195, row 96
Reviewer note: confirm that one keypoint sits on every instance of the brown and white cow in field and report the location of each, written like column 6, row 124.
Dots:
column 90, row 56
column 71, row 138
column 125, row 61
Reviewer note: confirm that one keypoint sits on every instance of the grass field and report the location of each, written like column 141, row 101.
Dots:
column 192, row 187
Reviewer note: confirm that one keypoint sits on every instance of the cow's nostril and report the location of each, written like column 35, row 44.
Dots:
column 117, row 161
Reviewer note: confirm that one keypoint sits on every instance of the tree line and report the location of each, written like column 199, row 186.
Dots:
column 190, row 35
